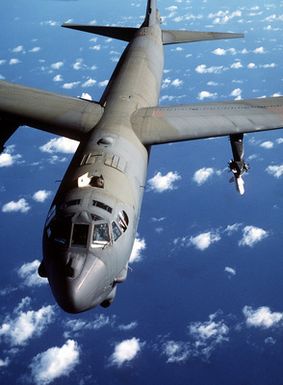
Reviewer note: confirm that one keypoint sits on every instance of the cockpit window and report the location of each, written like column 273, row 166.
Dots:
column 80, row 235
column 116, row 231
column 123, row 220
column 101, row 234
column 59, row 230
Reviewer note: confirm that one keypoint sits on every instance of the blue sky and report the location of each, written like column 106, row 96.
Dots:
column 203, row 302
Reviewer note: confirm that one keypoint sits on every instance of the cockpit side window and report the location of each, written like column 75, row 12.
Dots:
column 59, row 230
column 116, row 231
column 80, row 235
column 123, row 220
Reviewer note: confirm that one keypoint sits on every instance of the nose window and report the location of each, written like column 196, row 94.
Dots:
column 80, row 235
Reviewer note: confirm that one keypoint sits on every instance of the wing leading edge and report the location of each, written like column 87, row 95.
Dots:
column 57, row 114
column 158, row 125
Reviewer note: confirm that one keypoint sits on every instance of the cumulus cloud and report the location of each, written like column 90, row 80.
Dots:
column 230, row 270
column 167, row 82
column 62, row 145
column 138, row 248
column 268, row 145
column 20, row 206
column 14, row 61
column 261, row 317
column 28, row 273
column 70, row 86
column 125, row 351
column 237, row 93
column 8, row 158
column 202, row 175
column 176, row 351
column 275, row 170
column 58, row 78
column 230, row 229
column 4, row 363
column 224, row 17
column 206, row 95
column 57, row 65
column 41, row 195
column 203, row 69
column 160, row 183
column 252, row 235
column 78, row 325
column 89, row 83
column 222, row 52
column 204, row 240
column 26, row 325
column 55, row 362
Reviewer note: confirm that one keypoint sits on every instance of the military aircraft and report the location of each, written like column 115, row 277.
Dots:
column 91, row 225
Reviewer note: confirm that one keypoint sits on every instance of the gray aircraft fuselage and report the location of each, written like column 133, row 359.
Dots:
column 91, row 226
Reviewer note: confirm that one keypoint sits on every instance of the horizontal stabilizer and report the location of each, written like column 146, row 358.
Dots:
column 121, row 33
column 57, row 114
column 176, row 37
column 155, row 125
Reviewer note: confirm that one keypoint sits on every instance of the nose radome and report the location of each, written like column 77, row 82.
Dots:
column 83, row 293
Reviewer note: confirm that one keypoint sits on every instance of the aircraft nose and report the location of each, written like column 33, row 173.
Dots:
column 75, row 295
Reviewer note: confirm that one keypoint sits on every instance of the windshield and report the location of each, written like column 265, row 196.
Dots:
column 80, row 235
column 101, row 235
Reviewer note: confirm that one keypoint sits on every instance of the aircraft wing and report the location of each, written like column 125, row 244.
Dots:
column 61, row 115
column 157, row 125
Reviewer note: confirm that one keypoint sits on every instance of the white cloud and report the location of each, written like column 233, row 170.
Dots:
column 70, row 86
column 138, row 247
column 252, row 66
column 176, row 351
column 202, row 175
column 237, row 65
column 78, row 325
column 96, row 47
column 55, row 362
column 41, row 195
column 204, row 240
column 18, row 49
column 89, row 83
column 125, row 351
column 28, row 273
column 78, row 64
column 259, row 50
column 167, row 82
column 21, row 206
column 86, row 96
column 261, row 317
column 203, row 69
column 35, row 49
column 7, row 158
column 252, row 235
column 103, row 83
column 230, row 229
column 224, row 17
column 58, row 78
column 267, row 145
column 209, row 330
column 63, row 145
column 14, row 61
column 57, row 65
column 230, row 270
column 4, row 363
column 26, row 325
column 130, row 326
column 237, row 93
column 222, row 52
column 160, row 183
column 275, row 170
column 206, row 95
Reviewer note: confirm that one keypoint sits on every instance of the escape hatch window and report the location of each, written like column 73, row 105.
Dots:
column 102, row 206
column 101, row 235
column 80, row 235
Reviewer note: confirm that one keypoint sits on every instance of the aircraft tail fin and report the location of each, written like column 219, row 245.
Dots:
column 121, row 33
column 177, row 37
